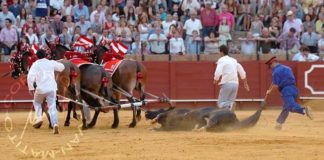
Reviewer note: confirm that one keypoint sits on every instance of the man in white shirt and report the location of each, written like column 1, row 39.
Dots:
column 292, row 22
column 41, row 83
column 84, row 25
column 190, row 25
column 228, row 68
column 158, row 41
column 305, row 55
column 166, row 24
column 101, row 13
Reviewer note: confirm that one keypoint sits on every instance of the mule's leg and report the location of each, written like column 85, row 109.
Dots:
column 84, row 121
column 133, row 123
column 58, row 106
column 75, row 115
column 67, row 119
column 138, row 114
column 94, row 119
column 116, row 119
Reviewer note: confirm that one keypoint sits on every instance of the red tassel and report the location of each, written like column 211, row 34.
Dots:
column 105, row 81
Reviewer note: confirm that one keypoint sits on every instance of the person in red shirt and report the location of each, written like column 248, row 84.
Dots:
column 209, row 19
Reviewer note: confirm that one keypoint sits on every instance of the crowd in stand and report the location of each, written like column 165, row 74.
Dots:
column 169, row 26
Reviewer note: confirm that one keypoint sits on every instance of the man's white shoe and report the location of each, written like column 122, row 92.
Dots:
column 55, row 129
column 38, row 124
column 278, row 126
column 308, row 112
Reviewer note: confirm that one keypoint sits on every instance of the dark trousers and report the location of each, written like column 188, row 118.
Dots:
column 313, row 49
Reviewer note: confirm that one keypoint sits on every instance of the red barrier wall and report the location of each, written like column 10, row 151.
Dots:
column 190, row 80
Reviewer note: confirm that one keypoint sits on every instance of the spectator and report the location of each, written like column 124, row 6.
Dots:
column 190, row 25
column 265, row 13
column 57, row 25
column 131, row 17
column 177, row 45
column 313, row 14
column 308, row 22
column 57, row 5
column 104, row 38
column 133, row 30
column 292, row 22
column 65, row 38
column 84, row 25
column 76, row 34
column 123, row 27
column 289, row 41
column 209, row 19
column 172, row 31
column 229, row 17
column 80, row 10
column 99, row 12
column 296, row 9
column 42, row 25
column 256, row 26
column 67, row 9
column 29, row 24
column 158, row 42
column 306, row 4
column 279, row 9
column 126, row 39
column 163, row 13
column 275, row 27
column 167, row 23
column 232, row 6
column 96, row 25
column 144, row 27
column 109, row 24
column 22, row 16
column 211, row 44
column 321, row 42
column 8, row 37
column 136, row 45
column 42, row 8
column 90, row 34
column 6, row 14
column 224, row 33
column 32, row 37
column 176, row 10
column 30, row 6
column 319, row 23
column 266, row 41
column 194, row 43
column 248, row 44
column 48, row 36
column 246, row 12
column 69, row 25
column 15, row 8
column 191, row 5
column 305, row 55
column 116, row 15
column 310, row 39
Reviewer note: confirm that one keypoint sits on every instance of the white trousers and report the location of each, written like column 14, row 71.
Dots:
column 51, row 103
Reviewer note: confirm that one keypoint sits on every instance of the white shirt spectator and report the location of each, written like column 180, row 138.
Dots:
column 320, row 45
column 248, row 47
column 228, row 67
column 309, row 39
column 192, row 5
column 57, row 4
column 296, row 23
column 157, row 43
column 101, row 17
column 302, row 58
column 191, row 25
column 32, row 39
column 4, row 16
column 84, row 26
column 166, row 26
column 177, row 45
column 42, row 72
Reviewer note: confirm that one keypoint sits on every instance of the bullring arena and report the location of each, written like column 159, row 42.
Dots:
column 189, row 84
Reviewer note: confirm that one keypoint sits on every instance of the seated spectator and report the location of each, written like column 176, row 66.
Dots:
column 105, row 38
column 131, row 17
column 15, row 8
column 246, row 12
column 126, row 39
column 211, row 44
column 57, row 5
column 42, row 8
column 48, row 36
column 83, row 24
column 177, row 45
column 305, row 55
column 172, row 31
column 296, row 9
column 32, row 37
column 57, row 25
column 229, row 17
column 123, row 27
column 167, row 23
column 191, row 5
column 275, row 27
column 265, row 41
column 289, row 41
column 308, row 22
column 96, row 25
column 29, row 24
column 163, row 14
column 67, row 9
column 310, row 39
column 144, row 28
column 65, row 38
column 109, row 24
column 4, row 14
column 319, row 23
column 158, row 42
column 136, row 45
column 42, row 25
column 248, row 44
column 69, row 24
column 98, row 12
column 279, row 10
column 292, row 22
column 256, row 26
column 80, row 10
column 321, row 42
column 8, row 37
column 90, row 34
column 265, row 13
column 194, row 43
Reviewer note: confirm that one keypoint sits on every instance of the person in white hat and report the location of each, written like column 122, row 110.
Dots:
column 292, row 22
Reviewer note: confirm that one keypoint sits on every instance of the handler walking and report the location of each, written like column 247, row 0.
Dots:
column 41, row 79
column 228, row 68
column 284, row 80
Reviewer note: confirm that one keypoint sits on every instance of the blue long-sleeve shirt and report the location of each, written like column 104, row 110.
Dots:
column 81, row 12
column 283, row 77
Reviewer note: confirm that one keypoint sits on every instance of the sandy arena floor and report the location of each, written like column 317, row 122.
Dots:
column 301, row 138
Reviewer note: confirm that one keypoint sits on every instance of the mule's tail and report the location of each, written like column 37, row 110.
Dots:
column 140, row 79
column 250, row 121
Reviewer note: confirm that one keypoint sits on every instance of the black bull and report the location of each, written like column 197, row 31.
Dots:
column 208, row 118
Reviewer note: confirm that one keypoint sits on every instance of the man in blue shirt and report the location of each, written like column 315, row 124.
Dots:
column 284, row 80
column 81, row 10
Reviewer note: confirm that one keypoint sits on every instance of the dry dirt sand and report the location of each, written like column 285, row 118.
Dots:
column 301, row 138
